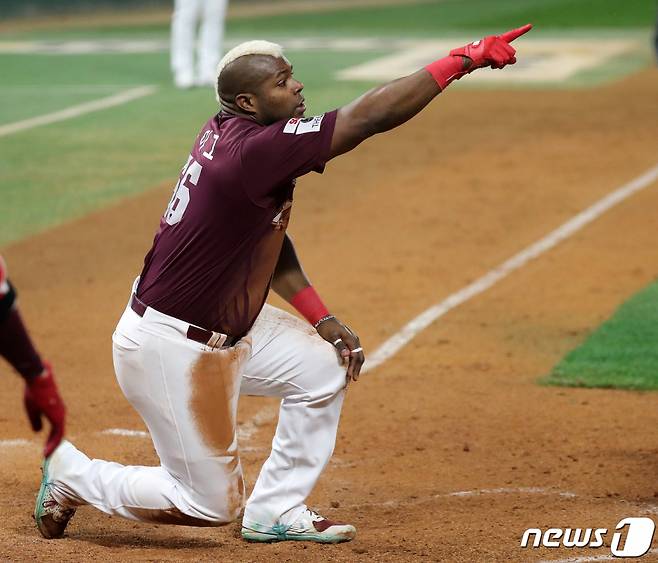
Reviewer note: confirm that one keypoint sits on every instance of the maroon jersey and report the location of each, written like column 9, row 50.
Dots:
column 219, row 240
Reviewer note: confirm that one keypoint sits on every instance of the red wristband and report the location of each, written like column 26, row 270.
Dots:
column 308, row 303
column 445, row 70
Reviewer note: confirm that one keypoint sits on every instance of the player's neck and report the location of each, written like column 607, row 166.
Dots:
column 237, row 112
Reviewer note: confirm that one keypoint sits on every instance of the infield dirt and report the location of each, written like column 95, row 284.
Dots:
column 389, row 230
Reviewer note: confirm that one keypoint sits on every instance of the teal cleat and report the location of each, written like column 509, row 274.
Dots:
column 50, row 516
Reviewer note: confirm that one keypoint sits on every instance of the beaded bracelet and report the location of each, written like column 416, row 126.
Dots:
column 325, row 318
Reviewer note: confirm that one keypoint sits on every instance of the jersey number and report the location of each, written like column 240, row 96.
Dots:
column 181, row 197
column 190, row 173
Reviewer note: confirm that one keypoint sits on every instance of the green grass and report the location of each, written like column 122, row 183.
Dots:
column 621, row 353
column 441, row 16
column 457, row 15
column 39, row 84
column 54, row 173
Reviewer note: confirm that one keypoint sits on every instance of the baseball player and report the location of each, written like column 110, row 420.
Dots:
column 184, row 21
column 40, row 397
column 196, row 331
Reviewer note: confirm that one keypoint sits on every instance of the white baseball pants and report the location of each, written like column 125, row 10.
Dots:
column 187, row 395
column 184, row 20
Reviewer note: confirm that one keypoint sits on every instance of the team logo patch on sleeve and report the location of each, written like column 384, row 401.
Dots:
column 299, row 126
column 291, row 126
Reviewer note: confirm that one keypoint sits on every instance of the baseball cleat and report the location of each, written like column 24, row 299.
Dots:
column 50, row 516
column 310, row 526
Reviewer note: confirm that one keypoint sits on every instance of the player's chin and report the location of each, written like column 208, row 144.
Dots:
column 299, row 111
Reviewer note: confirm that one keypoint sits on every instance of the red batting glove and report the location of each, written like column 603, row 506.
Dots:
column 42, row 398
column 494, row 51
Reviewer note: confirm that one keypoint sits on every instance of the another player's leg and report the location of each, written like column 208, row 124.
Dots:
column 211, row 36
column 188, row 400
column 183, row 32
column 291, row 361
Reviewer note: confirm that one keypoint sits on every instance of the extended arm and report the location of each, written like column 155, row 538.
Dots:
column 381, row 109
column 290, row 283
column 41, row 397
column 394, row 103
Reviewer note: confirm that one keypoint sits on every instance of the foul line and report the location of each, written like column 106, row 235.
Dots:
column 75, row 111
column 408, row 332
column 399, row 340
column 588, row 558
column 463, row 494
column 126, row 432
column 18, row 442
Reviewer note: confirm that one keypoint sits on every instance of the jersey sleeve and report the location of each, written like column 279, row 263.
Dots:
column 285, row 150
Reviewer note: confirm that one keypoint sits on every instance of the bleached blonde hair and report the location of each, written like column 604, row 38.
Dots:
column 255, row 47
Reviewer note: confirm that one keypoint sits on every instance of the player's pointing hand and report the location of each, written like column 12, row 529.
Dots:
column 347, row 345
column 510, row 36
column 494, row 51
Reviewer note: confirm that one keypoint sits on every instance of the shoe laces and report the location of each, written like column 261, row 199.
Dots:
column 302, row 523
column 315, row 517
column 57, row 511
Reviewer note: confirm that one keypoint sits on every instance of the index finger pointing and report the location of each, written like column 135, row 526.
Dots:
column 510, row 36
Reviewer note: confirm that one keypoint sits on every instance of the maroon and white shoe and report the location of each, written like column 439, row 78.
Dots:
column 50, row 516
column 310, row 526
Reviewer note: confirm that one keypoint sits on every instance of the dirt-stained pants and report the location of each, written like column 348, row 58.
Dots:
column 187, row 395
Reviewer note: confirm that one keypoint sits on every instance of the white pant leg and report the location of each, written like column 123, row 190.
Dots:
column 183, row 31
column 188, row 399
column 292, row 361
column 211, row 35
column 148, row 494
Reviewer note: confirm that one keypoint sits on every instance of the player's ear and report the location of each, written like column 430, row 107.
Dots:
column 246, row 102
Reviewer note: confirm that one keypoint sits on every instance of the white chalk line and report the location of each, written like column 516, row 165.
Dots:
column 465, row 494
column 408, row 332
column 510, row 490
column 125, row 432
column 249, row 428
column 12, row 89
column 588, row 558
column 394, row 344
column 15, row 443
column 77, row 110
column 245, row 430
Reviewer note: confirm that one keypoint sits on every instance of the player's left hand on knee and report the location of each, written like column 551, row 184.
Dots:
column 346, row 343
column 41, row 398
